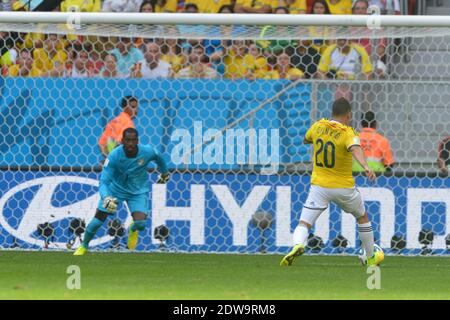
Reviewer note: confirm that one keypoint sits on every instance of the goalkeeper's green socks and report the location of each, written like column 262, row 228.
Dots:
column 91, row 230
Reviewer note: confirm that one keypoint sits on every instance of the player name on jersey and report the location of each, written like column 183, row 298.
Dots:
column 332, row 159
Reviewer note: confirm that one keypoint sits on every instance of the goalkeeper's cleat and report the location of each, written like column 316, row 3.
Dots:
column 376, row 259
column 132, row 239
column 80, row 251
column 288, row 259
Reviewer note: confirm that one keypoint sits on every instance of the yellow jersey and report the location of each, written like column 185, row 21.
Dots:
column 175, row 61
column 340, row 7
column 209, row 6
column 170, row 6
column 260, row 68
column 81, row 6
column 295, row 7
column 14, row 70
column 237, row 66
column 258, row 4
column 44, row 63
column 332, row 159
column 292, row 74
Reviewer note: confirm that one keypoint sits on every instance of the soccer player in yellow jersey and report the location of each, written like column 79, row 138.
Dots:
column 335, row 143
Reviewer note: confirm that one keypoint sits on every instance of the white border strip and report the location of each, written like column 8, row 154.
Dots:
column 224, row 19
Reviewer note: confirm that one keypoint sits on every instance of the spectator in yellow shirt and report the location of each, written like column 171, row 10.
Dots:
column 171, row 53
column 48, row 58
column 340, row 6
column 238, row 63
column 209, row 6
column 284, row 69
column 252, row 6
column 261, row 68
column 294, row 6
column 345, row 60
column 23, row 66
column 81, row 5
column 166, row 6
column 33, row 40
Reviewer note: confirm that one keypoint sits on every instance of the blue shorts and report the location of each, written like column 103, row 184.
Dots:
column 136, row 203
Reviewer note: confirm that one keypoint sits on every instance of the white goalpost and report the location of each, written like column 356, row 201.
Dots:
column 225, row 19
column 372, row 25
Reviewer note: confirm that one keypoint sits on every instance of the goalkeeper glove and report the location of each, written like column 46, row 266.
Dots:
column 110, row 204
column 163, row 178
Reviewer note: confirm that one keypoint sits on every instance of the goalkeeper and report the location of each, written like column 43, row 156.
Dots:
column 124, row 178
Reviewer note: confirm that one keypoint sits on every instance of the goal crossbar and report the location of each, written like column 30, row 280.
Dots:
column 226, row 19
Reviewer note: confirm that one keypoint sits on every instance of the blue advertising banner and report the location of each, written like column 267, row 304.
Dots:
column 213, row 212
column 57, row 122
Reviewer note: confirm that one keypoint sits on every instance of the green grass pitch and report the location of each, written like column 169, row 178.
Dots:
column 161, row 276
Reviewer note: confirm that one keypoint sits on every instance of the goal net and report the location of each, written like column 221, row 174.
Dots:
column 227, row 100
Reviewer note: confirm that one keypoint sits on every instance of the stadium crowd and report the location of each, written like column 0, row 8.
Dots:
column 52, row 55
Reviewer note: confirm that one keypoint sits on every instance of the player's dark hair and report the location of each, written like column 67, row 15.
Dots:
column 322, row 2
column 366, row 2
column 368, row 120
column 127, row 99
column 226, row 7
column 130, row 131
column 285, row 9
column 189, row 6
column 146, row 2
column 341, row 107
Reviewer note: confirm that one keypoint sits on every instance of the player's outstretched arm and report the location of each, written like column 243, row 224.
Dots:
column 358, row 154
